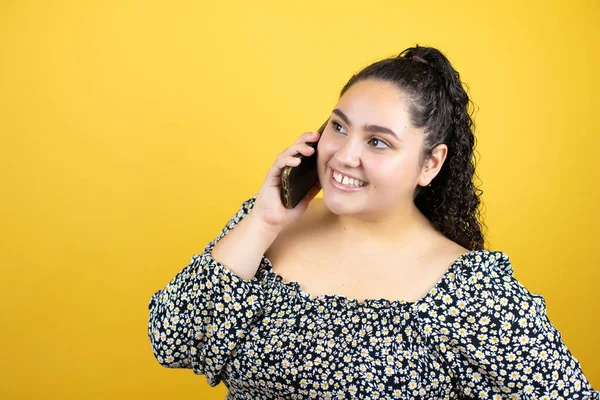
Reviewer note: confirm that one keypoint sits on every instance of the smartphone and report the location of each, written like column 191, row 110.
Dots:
column 297, row 181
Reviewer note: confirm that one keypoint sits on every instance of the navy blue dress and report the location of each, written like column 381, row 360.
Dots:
column 478, row 333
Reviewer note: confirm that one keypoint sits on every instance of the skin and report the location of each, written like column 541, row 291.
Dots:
column 382, row 213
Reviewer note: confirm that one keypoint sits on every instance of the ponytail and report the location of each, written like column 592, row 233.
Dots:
column 439, row 104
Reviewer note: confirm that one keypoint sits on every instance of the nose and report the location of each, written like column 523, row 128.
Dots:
column 348, row 154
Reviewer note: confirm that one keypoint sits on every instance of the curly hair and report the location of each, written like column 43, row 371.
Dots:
column 439, row 103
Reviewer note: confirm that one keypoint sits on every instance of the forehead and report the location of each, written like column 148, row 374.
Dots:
column 376, row 102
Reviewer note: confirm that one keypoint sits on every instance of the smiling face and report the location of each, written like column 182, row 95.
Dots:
column 369, row 136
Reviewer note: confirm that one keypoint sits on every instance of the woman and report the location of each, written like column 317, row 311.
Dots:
column 382, row 289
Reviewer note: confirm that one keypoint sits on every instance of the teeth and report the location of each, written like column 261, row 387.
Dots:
column 347, row 181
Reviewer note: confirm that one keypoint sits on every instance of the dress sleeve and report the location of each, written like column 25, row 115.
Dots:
column 200, row 316
column 497, row 341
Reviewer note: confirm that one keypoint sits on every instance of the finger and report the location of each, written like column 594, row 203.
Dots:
column 306, row 150
column 311, row 137
column 285, row 161
column 293, row 149
column 308, row 137
column 299, row 148
column 274, row 174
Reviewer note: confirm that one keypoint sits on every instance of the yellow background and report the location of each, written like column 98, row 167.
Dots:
column 133, row 130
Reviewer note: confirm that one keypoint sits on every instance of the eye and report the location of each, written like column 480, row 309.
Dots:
column 335, row 124
column 380, row 141
column 386, row 144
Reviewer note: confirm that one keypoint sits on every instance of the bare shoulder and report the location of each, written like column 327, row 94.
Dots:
column 444, row 253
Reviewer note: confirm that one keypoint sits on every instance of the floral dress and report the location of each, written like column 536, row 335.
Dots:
column 478, row 333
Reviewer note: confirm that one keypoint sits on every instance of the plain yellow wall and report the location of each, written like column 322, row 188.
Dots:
column 133, row 130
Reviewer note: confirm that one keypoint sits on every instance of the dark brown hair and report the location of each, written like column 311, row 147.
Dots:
column 439, row 103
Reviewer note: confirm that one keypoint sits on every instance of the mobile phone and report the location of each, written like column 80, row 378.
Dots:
column 297, row 181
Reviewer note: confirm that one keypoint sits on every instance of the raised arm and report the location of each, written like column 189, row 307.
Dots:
column 199, row 317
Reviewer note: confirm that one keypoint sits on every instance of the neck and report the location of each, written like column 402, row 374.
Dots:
column 404, row 228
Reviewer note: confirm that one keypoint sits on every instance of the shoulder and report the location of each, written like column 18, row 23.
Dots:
column 481, row 281
column 480, row 291
column 474, row 274
column 487, row 276
column 482, row 269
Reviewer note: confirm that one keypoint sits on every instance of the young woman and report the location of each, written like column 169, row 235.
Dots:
column 383, row 288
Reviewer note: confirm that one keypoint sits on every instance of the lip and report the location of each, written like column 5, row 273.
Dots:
column 341, row 187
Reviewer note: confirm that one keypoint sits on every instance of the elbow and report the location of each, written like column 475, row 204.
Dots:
column 156, row 333
column 165, row 339
column 166, row 353
column 161, row 353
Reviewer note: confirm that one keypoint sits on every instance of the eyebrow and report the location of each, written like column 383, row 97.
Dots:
column 367, row 127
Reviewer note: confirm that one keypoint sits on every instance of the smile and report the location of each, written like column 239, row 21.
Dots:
column 345, row 183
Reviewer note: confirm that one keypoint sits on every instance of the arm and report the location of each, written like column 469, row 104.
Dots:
column 199, row 317
column 242, row 249
column 522, row 353
column 498, row 341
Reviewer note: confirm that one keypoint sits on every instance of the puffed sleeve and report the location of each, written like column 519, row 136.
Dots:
column 496, row 338
column 200, row 316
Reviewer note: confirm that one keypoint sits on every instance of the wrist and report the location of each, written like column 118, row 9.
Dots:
column 262, row 228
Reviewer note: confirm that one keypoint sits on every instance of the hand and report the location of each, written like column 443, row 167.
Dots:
column 268, row 207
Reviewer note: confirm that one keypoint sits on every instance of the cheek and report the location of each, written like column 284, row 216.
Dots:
column 326, row 146
column 387, row 172
column 325, row 150
column 380, row 171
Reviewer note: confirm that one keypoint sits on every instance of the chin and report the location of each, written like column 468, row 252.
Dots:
column 340, row 206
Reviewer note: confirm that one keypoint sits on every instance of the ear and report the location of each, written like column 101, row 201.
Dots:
column 433, row 165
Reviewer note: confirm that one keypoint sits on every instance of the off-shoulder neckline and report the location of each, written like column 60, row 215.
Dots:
column 376, row 303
